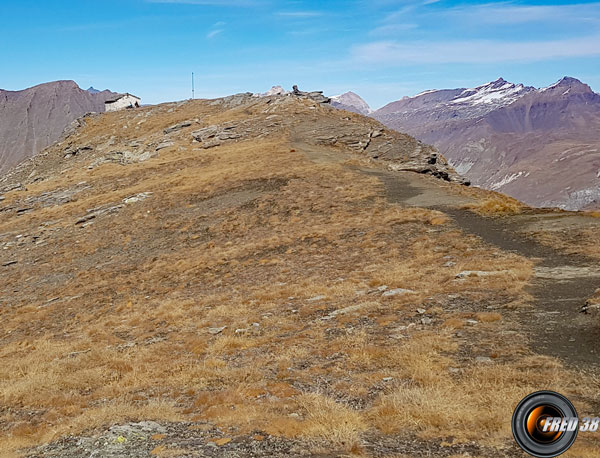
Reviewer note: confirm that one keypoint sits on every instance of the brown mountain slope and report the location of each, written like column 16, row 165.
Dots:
column 242, row 277
column 539, row 146
column 34, row 118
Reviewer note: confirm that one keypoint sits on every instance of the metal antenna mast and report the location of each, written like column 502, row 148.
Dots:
column 193, row 85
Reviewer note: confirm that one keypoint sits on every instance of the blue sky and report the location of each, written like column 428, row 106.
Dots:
column 381, row 49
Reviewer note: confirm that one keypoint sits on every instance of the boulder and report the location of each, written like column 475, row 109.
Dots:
column 178, row 126
column 317, row 96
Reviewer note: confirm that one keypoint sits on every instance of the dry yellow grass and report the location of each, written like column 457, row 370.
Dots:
column 497, row 205
column 212, row 299
column 580, row 241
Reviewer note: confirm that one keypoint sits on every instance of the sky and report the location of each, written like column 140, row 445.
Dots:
column 380, row 49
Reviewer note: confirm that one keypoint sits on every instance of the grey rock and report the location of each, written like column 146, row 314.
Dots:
column 480, row 273
column 397, row 291
column 137, row 197
column 123, row 158
column 346, row 310
column 316, row 96
column 483, row 359
column 163, row 145
column 97, row 212
column 215, row 135
column 176, row 127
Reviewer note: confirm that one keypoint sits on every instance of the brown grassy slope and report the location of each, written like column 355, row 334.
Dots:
column 120, row 320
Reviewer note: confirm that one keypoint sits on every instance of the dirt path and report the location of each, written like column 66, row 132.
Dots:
column 561, row 285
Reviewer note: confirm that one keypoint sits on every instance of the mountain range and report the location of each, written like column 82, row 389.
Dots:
column 34, row 118
column 541, row 146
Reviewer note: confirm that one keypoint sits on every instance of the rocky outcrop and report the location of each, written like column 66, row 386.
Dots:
column 400, row 152
column 316, row 96
column 212, row 136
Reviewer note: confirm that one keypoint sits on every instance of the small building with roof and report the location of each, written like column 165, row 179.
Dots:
column 122, row 101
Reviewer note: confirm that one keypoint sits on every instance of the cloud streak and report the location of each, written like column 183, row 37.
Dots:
column 213, row 33
column 393, row 53
column 224, row 3
column 510, row 13
column 480, row 17
column 298, row 14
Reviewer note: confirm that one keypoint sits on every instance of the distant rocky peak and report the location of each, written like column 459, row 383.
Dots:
column 497, row 84
column 93, row 90
column 570, row 84
column 275, row 90
column 352, row 102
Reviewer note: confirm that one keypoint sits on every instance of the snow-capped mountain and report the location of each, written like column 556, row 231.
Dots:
column 462, row 103
column 351, row 102
column 499, row 92
column 541, row 146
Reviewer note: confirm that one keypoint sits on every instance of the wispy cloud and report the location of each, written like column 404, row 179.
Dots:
column 299, row 14
column 213, row 33
column 484, row 15
column 224, row 3
column 511, row 13
column 393, row 53
column 390, row 29
column 217, row 29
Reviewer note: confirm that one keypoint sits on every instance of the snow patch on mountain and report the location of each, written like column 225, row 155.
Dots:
column 430, row 91
column 508, row 179
column 497, row 92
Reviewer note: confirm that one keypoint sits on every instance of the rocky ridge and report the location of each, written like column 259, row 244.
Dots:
column 271, row 115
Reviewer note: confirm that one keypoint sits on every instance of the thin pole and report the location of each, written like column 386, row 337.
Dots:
column 193, row 86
